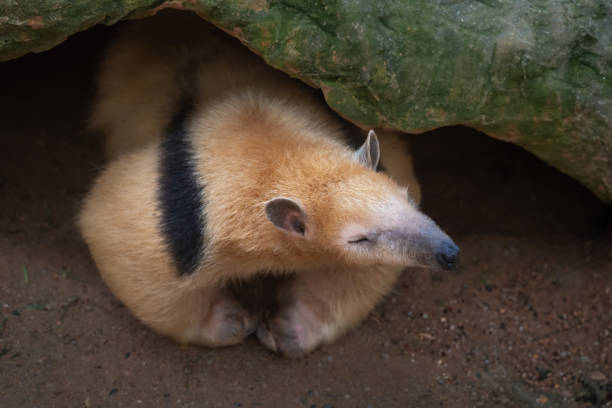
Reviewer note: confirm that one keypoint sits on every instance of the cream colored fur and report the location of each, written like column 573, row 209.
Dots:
column 257, row 135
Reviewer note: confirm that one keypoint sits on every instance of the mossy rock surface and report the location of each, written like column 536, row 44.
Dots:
column 535, row 73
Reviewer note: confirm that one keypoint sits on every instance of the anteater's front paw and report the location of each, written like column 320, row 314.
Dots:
column 229, row 323
column 292, row 332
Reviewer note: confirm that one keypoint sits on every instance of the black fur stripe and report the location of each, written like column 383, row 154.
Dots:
column 181, row 197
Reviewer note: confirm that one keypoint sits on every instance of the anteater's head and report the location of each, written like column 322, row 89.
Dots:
column 361, row 216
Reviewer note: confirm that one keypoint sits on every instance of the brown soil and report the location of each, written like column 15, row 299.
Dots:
column 525, row 321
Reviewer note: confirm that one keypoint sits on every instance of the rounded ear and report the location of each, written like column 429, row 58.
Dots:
column 369, row 153
column 286, row 215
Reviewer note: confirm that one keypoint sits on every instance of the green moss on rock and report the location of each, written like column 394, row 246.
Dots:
column 535, row 73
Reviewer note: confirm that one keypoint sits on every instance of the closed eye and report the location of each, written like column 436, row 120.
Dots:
column 359, row 240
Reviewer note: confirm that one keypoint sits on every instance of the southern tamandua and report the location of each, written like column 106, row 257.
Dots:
column 224, row 170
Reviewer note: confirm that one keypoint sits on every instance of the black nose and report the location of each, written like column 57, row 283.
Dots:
column 448, row 255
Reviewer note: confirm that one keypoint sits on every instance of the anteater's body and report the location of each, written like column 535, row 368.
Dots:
column 225, row 170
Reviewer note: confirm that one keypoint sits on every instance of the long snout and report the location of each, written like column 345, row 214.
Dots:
column 425, row 244
column 447, row 255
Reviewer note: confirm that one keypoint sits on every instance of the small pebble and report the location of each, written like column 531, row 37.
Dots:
column 598, row 376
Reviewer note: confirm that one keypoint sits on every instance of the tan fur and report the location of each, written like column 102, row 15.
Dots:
column 156, row 59
column 398, row 163
column 258, row 135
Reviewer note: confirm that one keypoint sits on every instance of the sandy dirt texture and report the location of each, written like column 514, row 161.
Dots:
column 526, row 320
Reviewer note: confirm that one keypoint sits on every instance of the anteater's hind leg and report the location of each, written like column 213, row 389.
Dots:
column 210, row 317
column 318, row 306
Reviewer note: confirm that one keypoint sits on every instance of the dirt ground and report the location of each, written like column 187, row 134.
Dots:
column 526, row 321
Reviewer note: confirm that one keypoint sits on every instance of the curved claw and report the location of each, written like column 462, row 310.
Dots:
column 288, row 335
